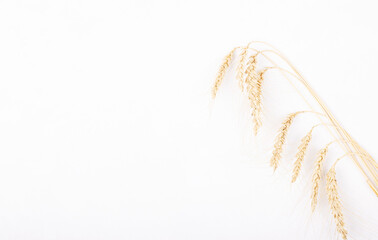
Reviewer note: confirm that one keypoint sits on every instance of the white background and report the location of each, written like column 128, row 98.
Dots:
column 107, row 130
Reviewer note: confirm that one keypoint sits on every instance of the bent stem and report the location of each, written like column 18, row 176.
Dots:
column 370, row 171
column 365, row 163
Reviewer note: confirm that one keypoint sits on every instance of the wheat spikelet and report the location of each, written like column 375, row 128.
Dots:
column 301, row 154
column 280, row 140
column 240, row 70
column 334, row 202
column 316, row 177
column 222, row 71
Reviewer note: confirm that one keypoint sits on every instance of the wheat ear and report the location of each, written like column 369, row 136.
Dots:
column 240, row 70
column 280, row 140
column 222, row 71
column 254, row 81
column 256, row 111
column 251, row 78
column 316, row 177
column 301, row 154
column 334, row 202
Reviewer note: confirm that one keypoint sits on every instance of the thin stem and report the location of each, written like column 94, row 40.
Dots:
column 348, row 154
column 348, row 143
column 370, row 165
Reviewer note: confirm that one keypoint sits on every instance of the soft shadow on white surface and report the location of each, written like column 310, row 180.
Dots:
column 107, row 130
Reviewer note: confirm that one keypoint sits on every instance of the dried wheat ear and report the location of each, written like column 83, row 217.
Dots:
column 251, row 81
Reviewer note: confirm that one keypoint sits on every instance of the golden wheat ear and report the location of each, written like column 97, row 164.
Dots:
column 251, row 78
column 281, row 139
column 301, row 154
column 316, row 177
column 221, row 72
column 240, row 69
column 302, row 150
column 335, row 203
column 257, row 109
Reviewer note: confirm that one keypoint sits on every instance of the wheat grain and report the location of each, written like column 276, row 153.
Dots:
column 301, row 154
column 222, row 71
column 334, row 202
column 280, row 140
column 316, row 177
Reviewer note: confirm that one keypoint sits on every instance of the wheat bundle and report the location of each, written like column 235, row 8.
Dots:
column 251, row 81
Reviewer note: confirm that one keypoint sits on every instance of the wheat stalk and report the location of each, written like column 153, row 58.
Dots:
column 301, row 154
column 222, row 71
column 316, row 177
column 334, row 202
column 280, row 140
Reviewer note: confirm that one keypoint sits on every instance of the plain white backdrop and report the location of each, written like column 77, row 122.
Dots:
column 107, row 130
